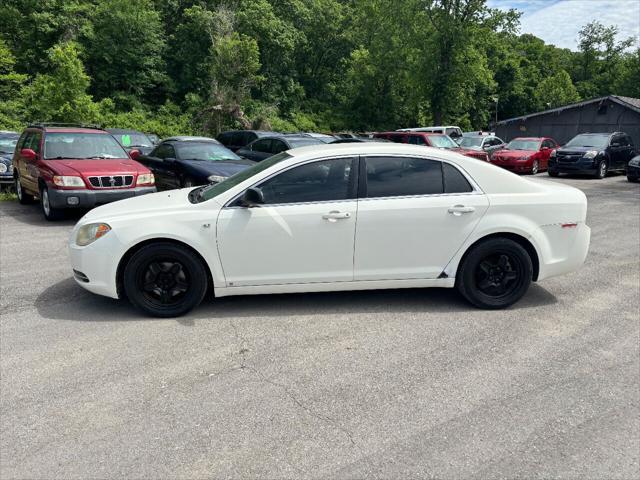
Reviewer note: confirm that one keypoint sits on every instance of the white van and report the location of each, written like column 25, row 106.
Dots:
column 453, row 131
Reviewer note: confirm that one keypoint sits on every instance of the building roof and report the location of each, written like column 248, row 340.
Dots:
column 629, row 102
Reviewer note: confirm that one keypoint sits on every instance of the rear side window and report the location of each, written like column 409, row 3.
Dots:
column 224, row 138
column 262, row 146
column 454, row 180
column 278, row 146
column 401, row 176
column 416, row 140
column 397, row 138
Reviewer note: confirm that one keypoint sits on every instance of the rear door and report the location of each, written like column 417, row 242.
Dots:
column 413, row 216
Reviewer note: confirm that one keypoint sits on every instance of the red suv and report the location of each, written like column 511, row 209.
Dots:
column 75, row 167
column 436, row 140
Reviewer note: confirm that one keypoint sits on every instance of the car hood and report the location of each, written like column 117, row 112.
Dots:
column 570, row 150
column 6, row 158
column 144, row 206
column 116, row 166
column 224, row 168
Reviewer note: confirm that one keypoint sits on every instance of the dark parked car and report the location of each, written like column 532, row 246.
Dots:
column 236, row 139
column 593, row 154
column 267, row 146
column 358, row 140
column 8, row 142
column 189, row 161
column 633, row 169
column 132, row 139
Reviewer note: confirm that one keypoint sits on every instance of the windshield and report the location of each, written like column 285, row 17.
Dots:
column 210, row 152
column 599, row 141
column 133, row 140
column 301, row 142
column 81, row 146
column 442, row 141
column 208, row 192
column 471, row 142
column 8, row 143
column 523, row 145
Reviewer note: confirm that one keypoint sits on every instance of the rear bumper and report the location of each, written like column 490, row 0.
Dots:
column 566, row 249
column 91, row 198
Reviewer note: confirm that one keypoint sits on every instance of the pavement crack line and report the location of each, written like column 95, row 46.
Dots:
column 242, row 341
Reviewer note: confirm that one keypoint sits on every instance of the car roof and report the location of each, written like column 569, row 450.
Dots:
column 530, row 138
column 187, row 138
column 95, row 131
column 124, row 130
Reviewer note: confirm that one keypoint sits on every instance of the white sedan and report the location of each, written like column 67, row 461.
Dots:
column 336, row 217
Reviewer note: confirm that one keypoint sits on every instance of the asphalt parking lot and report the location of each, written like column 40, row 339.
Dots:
column 407, row 383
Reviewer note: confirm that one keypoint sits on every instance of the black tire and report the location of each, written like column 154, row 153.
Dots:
column 632, row 179
column 552, row 173
column 535, row 168
column 165, row 280
column 23, row 197
column 495, row 274
column 603, row 168
column 50, row 213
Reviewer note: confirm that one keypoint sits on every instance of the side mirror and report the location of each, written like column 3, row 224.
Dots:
column 28, row 154
column 615, row 144
column 134, row 154
column 544, row 149
column 252, row 197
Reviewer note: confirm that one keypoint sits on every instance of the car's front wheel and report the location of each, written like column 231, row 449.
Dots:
column 632, row 179
column 165, row 280
column 603, row 168
column 496, row 273
column 553, row 173
column 535, row 167
column 49, row 212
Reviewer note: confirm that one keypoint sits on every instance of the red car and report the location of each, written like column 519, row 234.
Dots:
column 437, row 140
column 525, row 154
column 75, row 167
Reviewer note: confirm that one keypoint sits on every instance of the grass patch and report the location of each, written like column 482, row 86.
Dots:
column 8, row 196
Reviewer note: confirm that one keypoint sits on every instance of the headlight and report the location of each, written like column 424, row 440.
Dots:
column 635, row 162
column 146, row 179
column 216, row 179
column 90, row 232
column 3, row 168
column 524, row 159
column 591, row 154
column 67, row 181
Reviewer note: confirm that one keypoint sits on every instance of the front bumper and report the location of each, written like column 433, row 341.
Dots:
column 583, row 165
column 633, row 171
column 94, row 266
column 522, row 167
column 6, row 179
column 90, row 198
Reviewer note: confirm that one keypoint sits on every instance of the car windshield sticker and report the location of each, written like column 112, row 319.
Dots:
column 126, row 140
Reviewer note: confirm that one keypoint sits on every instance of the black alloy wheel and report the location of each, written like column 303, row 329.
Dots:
column 496, row 273
column 164, row 279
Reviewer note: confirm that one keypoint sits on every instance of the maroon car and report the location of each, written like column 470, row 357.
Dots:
column 75, row 167
column 436, row 140
column 525, row 154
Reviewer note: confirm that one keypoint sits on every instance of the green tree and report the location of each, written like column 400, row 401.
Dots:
column 125, row 50
column 11, row 84
column 61, row 95
column 555, row 91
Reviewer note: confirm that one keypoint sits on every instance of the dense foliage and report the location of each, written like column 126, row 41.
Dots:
column 201, row 66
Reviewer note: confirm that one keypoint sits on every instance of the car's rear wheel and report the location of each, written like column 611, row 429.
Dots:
column 48, row 211
column 23, row 197
column 603, row 168
column 495, row 274
column 165, row 280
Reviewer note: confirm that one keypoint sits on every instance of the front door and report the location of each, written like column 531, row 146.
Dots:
column 414, row 216
column 303, row 233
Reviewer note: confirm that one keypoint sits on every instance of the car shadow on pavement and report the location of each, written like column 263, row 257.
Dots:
column 32, row 215
column 66, row 300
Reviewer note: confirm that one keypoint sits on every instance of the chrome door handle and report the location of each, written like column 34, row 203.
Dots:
column 334, row 215
column 459, row 210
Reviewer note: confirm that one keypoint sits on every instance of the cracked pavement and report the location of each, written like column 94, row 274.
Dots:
column 406, row 383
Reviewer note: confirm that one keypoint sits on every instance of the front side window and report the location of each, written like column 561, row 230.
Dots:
column 165, row 151
column 321, row 181
column 33, row 142
column 278, row 146
column 401, row 176
column 263, row 146
column 81, row 146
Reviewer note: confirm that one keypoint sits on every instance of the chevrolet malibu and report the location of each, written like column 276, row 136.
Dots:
column 336, row 217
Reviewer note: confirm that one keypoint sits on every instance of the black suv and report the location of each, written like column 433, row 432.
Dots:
column 236, row 139
column 594, row 154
